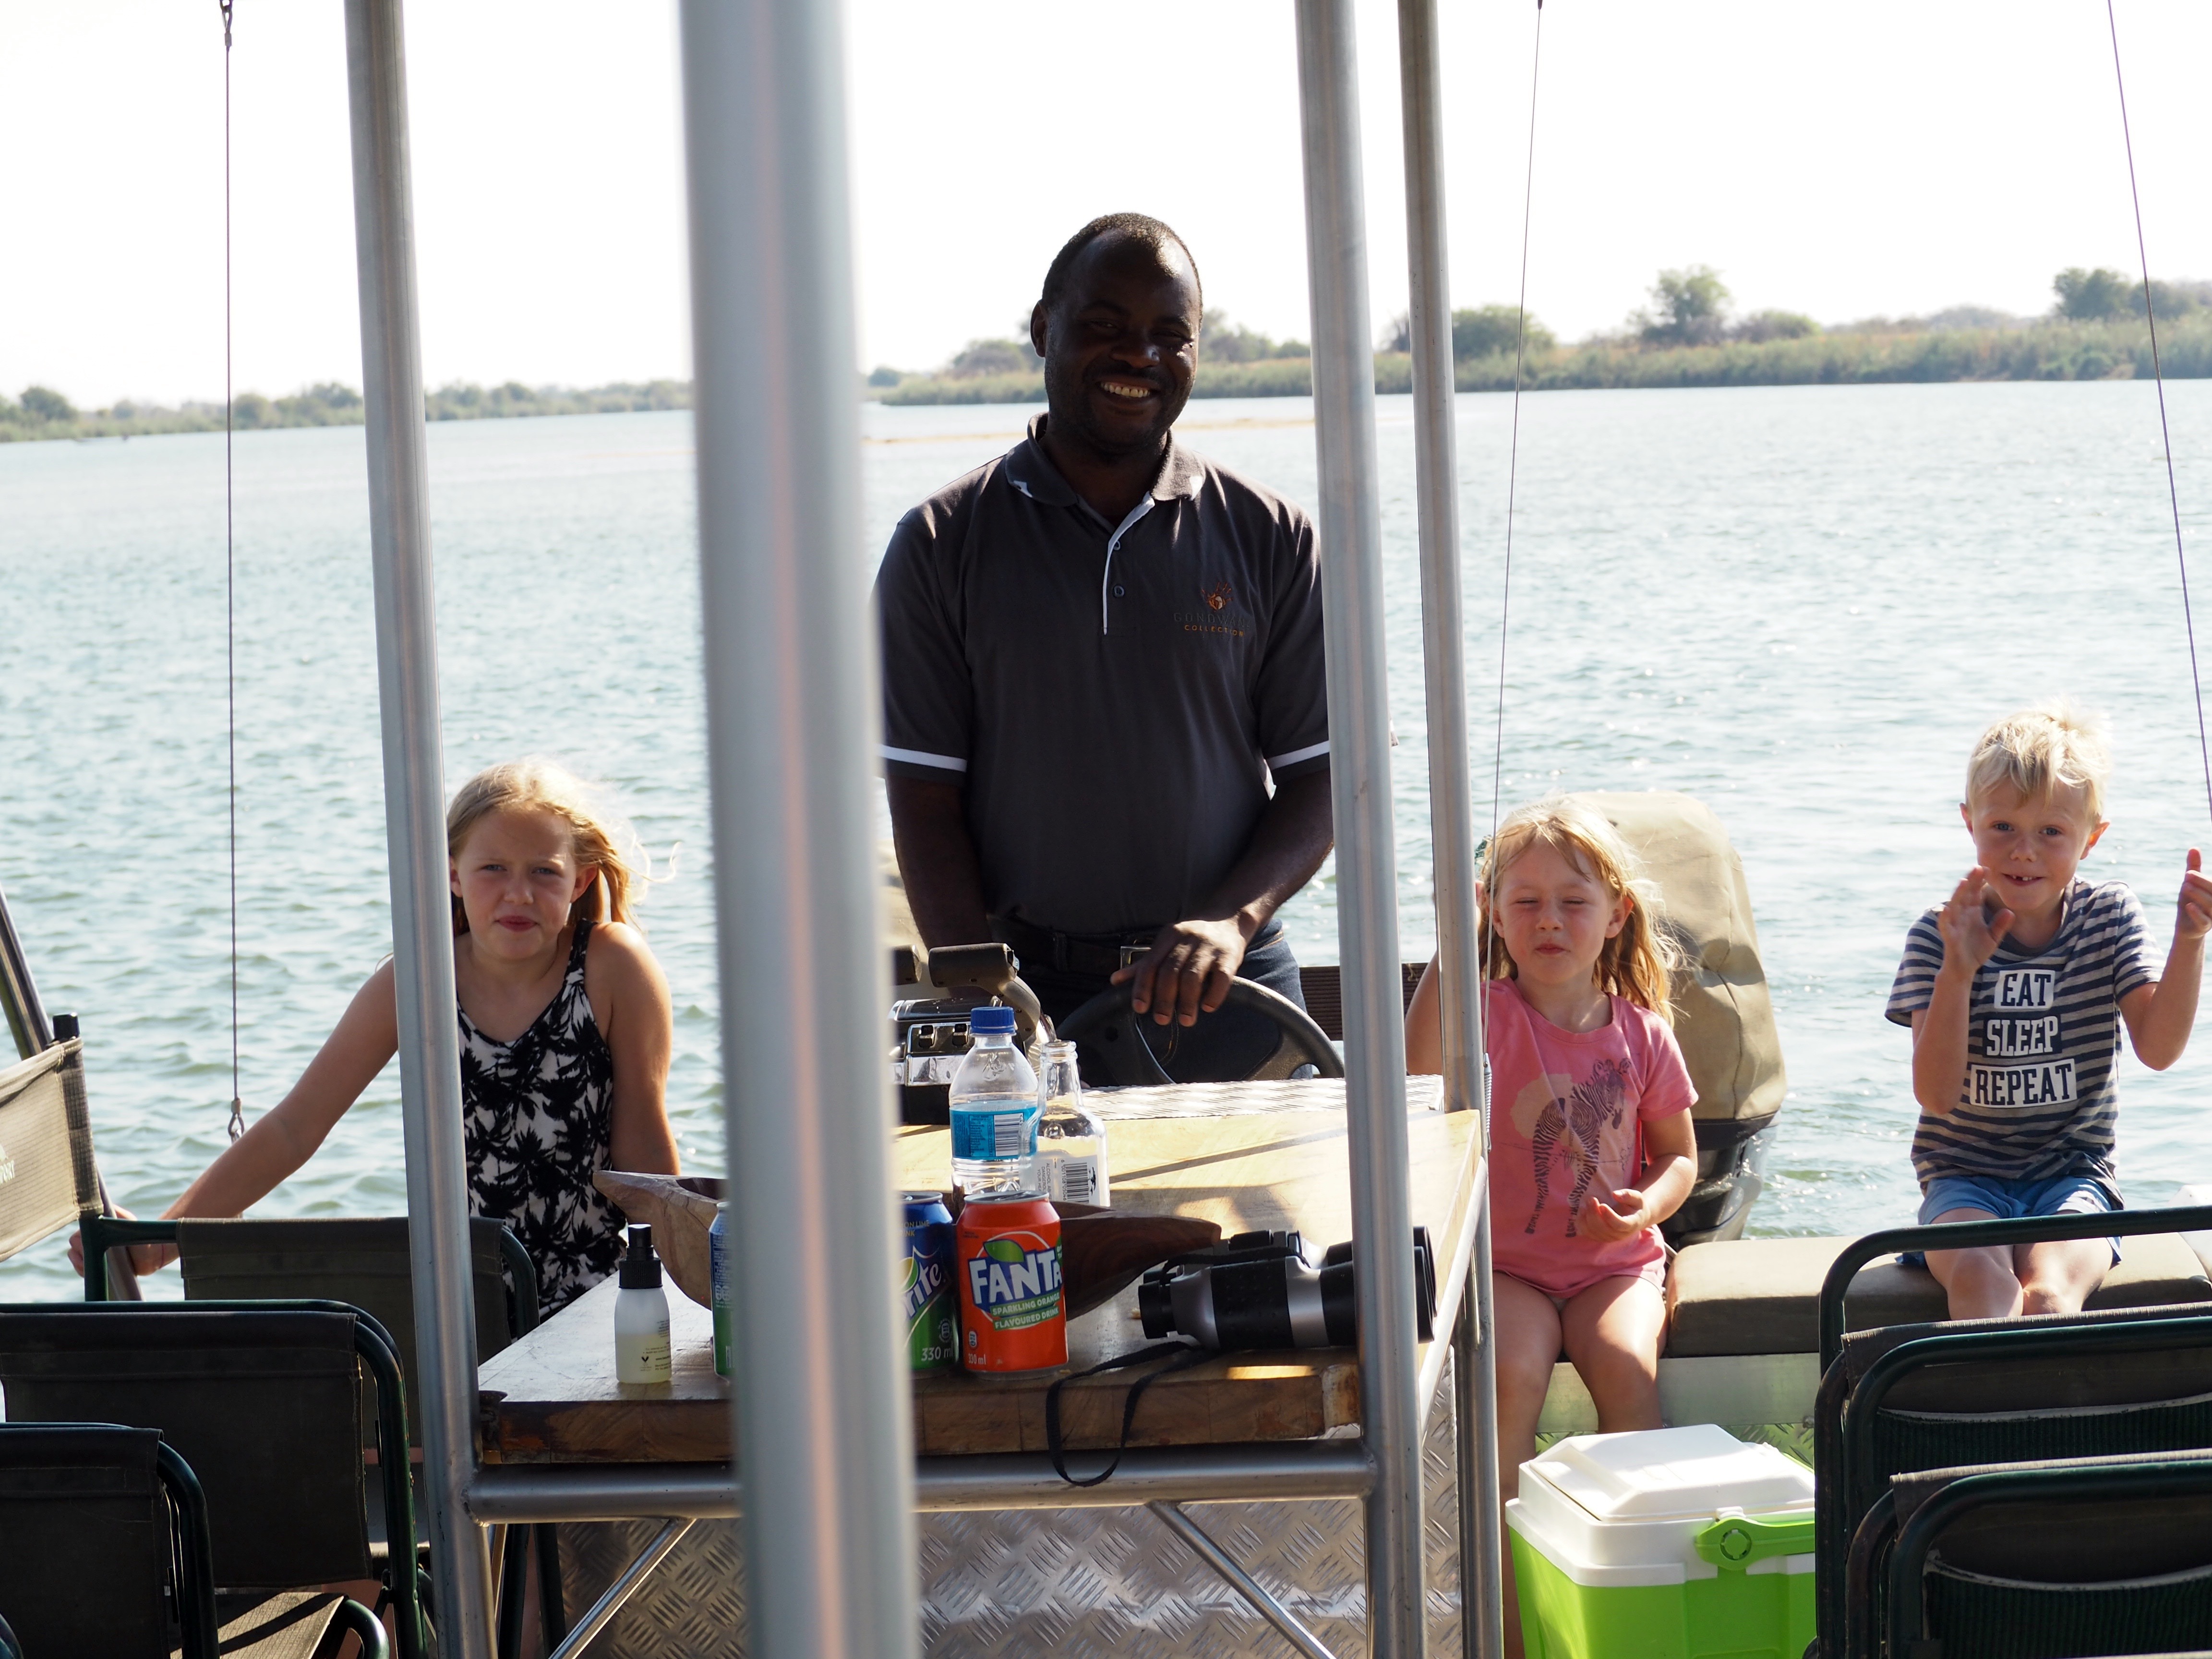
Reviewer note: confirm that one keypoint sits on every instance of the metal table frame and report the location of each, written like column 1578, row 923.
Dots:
column 792, row 720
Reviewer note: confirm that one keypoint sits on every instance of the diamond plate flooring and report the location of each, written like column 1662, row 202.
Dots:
column 1004, row 1584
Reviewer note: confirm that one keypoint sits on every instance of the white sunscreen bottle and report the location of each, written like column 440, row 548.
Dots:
column 641, row 1314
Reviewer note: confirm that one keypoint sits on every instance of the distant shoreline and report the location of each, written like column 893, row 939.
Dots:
column 2052, row 350
column 2042, row 351
column 329, row 405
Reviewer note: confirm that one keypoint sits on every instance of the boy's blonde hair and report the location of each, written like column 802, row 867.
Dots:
column 1638, row 963
column 2030, row 752
column 540, row 785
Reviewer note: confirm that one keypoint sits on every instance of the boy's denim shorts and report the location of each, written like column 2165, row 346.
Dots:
column 2015, row 1200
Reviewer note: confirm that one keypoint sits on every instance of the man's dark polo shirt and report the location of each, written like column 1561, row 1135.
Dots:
column 1113, row 697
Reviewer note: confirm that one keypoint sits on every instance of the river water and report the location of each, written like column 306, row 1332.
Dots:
column 1799, row 605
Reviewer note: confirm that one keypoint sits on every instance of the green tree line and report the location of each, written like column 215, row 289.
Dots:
column 43, row 413
column 1689, row 334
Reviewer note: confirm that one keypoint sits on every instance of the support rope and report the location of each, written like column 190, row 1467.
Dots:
column 230, row 579
column 2164, row 431
column 1512, row 485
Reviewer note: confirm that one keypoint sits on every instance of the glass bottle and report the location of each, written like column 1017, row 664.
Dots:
column 1071, row 1140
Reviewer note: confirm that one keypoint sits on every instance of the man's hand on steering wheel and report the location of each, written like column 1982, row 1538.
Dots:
column 1187, row 972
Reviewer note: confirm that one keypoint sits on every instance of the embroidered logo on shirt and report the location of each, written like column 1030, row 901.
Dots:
column 1218, row 618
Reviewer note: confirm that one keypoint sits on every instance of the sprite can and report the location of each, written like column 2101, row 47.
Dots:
column 718, row 1260
column 925, row 1283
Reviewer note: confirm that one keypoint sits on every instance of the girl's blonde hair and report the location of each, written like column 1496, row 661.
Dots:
column 1638, row 962
column 540, row 785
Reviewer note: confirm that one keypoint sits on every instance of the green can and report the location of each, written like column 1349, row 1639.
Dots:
column 933, row 1342
column 718, row 1260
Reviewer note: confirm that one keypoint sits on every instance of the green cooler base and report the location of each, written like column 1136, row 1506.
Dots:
column 1736, row 1615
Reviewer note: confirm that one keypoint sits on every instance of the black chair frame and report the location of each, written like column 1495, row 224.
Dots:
column 1864, row 1582
column 373, row 1343
column 192, row 1552
column 1917, row 1538
column 2032, row 1342
column 1851, row 1488
column 102, row 1232
column 1975, row 1235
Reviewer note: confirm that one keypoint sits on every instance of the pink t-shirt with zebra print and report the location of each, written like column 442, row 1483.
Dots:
column 1567, row 1110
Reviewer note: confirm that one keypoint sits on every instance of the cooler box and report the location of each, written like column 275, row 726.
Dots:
column 1669, row 1543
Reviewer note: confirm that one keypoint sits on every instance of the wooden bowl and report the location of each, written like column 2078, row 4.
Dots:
column 679, row 1209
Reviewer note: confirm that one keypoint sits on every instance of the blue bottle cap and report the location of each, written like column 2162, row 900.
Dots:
column 992, row 1021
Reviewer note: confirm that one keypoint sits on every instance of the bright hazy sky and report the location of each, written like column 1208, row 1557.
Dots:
column 1886, row 156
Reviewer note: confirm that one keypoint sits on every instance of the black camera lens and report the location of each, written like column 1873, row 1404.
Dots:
column 1249, row 1294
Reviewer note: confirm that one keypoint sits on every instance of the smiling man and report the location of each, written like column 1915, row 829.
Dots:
column 1105, row 721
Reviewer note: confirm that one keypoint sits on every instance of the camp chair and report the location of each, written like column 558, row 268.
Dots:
column 48, row 1179
column 1941, row 1425
column 2051, row 1559
column 263, row 1400
column 108, row 1553
column 1996, row 1391
column 107, row 1543
column 365, row 1262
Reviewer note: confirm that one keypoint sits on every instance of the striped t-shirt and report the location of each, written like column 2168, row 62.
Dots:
column 2042, row 1030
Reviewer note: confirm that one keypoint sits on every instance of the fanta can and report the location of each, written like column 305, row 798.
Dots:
column 1013, row 1313
column 925, row 1283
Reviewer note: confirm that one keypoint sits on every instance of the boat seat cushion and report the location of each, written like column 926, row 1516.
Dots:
column 1763, row 1294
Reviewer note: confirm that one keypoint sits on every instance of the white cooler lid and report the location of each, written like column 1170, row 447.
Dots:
column 1662, row 1473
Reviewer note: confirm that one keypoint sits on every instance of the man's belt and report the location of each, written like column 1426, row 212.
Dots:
column 1101, row 954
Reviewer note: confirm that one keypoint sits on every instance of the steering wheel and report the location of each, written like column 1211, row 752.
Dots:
column 1110, row 1030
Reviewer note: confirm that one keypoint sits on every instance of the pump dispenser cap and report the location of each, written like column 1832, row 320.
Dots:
column 992, row 1021
column 641, row 1267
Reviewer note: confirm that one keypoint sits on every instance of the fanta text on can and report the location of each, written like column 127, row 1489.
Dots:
column 1013, row 1312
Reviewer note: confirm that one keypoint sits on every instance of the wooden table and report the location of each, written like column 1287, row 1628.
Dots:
column 1246, row 1156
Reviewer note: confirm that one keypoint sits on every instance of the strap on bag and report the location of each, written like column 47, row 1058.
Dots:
column 1179, row 1356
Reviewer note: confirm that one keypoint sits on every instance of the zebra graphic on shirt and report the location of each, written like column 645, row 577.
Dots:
column 1574, row 1126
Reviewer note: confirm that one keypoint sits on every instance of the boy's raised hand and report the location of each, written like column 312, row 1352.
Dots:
column 1974, row 921
column 1611, row 1217
column 2193, row 915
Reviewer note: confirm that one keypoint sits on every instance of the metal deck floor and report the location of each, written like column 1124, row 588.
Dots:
column 1008, row 1584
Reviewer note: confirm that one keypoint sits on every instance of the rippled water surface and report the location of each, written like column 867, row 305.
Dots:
column 1799, row 605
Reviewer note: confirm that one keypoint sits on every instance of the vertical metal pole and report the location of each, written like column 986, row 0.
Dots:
column 1351, row 531
column 445, row 1385
column 824, row 1434
column 1451, row 802
column 1474, row 1446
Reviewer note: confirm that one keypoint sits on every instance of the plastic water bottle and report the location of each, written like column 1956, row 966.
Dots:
column 1071, row 1141
column 995, row 1106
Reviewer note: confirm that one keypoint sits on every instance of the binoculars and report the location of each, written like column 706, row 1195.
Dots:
column 1266, row 1291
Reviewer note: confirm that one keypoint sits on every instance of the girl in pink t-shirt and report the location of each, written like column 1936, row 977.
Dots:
column 1591, row 1146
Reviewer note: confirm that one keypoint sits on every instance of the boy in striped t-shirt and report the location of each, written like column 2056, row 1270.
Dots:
column 2016, row 989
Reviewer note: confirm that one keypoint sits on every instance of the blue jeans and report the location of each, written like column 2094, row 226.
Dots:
column 1225, row 1046
column 2016, row 1200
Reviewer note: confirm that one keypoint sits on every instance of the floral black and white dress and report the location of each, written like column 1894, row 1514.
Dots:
column 538, row 1115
